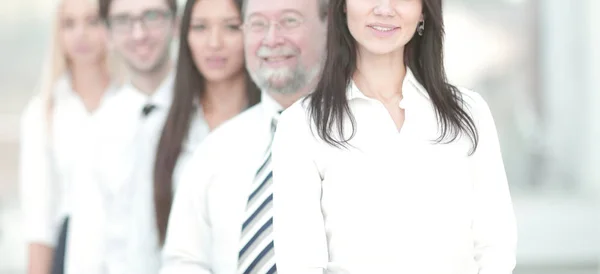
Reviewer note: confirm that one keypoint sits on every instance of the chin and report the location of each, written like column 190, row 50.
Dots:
column 216, row 76
column 279, row 81
column 381, row 48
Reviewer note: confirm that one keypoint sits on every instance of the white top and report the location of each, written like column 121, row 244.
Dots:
column 113, row 228
column 395, row 202
column 207, row 215
column 49, row 159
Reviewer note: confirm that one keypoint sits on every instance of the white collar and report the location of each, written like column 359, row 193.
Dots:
column 63, row 88
column 411, row 90
column 163, row 96
column 270, row 106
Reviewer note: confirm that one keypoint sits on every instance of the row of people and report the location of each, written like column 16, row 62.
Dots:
column 317, row 136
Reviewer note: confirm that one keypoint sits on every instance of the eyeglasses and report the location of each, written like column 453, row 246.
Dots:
column 151, row 19
column 286, row 23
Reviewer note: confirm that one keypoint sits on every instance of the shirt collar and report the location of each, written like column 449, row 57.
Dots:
column 63, row 88
column 411, row 90
column 163, row 96
column 269, row 105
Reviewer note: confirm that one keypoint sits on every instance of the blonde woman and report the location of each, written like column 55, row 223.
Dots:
column 56, row 128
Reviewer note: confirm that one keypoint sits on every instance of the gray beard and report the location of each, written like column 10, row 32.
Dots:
column 299, row 80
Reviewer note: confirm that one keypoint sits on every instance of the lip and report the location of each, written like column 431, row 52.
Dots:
column 82, row 49
column 278, row 61
column 216, row 62
column 142, row 51
column 383, row 30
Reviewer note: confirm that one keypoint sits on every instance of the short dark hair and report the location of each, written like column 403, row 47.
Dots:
column 323, row 8
column 105, row 7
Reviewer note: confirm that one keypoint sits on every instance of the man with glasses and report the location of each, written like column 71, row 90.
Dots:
column 141, row 32
column 221, row 220
column 115, row 230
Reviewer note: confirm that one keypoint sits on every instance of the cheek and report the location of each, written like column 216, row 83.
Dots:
column 250, row 50
column 195, row 41
column 195, row 44
column 99, row 38
column 311, row 45
column 120, row 42
column 411, row 13
column 160, row 36
column 354, row 15
column 235, row 47
column 67, row 40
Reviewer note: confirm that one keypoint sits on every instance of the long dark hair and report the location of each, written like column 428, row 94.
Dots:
column 423, row 55
column 189, row 87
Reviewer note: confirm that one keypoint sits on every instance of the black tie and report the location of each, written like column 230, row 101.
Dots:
column 148, row 108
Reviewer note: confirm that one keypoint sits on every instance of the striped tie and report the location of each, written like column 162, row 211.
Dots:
column 256, row 255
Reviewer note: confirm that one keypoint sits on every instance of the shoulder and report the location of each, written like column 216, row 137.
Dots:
column 242, row 125
column 34, row 111
column 227, row 138
column 296, row 116
column 295, row 125
column 480, row 112
column 474, row 103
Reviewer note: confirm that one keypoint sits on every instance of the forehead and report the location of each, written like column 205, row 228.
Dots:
column 215, row 9
column 78, row 7
column 275, row 7
column 136, row 6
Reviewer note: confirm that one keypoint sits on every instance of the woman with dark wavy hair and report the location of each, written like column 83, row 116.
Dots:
column 387, row 167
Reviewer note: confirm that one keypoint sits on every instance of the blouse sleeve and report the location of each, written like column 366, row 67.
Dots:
column 494, row 224
column 37, row 185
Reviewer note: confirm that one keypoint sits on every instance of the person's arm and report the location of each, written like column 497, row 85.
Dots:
column 298, row 226
column 494, row 224
column 38, row 192
column 189, row 234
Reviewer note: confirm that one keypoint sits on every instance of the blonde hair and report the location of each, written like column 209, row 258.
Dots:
column 56, row 64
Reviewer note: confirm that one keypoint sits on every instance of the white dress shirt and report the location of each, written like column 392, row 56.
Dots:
column 51, row 150
column 395, row 202
column 207, row 215
column 113, row 229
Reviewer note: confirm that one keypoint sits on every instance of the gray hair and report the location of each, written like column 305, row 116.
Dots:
column 323, row 8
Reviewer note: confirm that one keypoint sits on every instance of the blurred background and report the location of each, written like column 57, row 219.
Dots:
column 536, row 62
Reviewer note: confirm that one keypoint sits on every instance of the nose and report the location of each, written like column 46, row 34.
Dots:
column 138, row 31
column 273, row 37
column 215, row 40
column 384, row 8
column 81, row 30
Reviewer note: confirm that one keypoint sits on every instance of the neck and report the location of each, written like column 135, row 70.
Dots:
column 380, row 76
column 149, row 82
column 89, row 80
column 225, row 98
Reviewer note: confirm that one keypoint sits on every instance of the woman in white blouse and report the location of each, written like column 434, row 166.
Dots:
column 386, row 167
column 55, row 127
column 211, row 87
